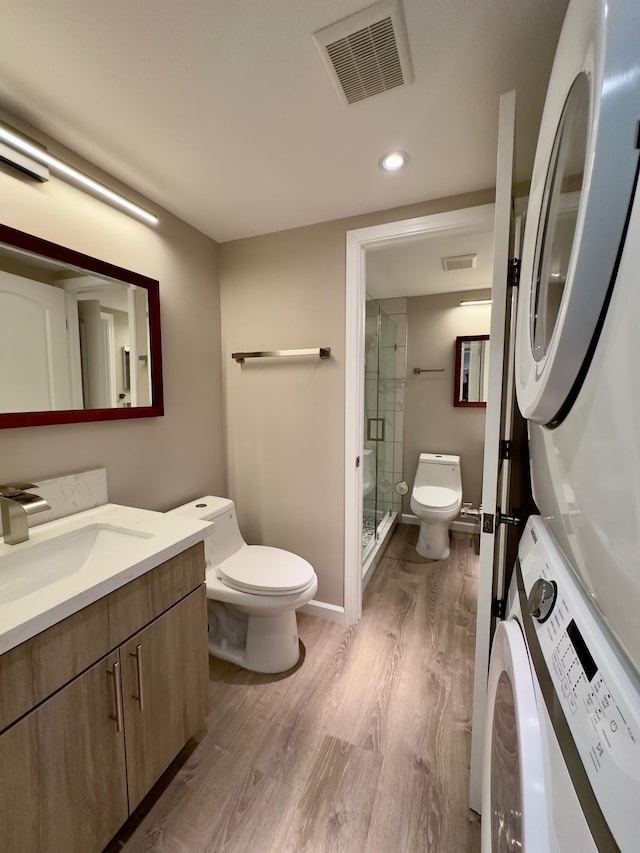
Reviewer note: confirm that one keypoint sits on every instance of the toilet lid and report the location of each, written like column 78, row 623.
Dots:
column 436, row 497
column 262, row 570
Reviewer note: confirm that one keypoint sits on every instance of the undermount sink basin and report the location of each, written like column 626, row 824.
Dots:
column 71, row 562
column 43, row 563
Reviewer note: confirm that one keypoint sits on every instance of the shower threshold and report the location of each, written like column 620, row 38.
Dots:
column 376, row 546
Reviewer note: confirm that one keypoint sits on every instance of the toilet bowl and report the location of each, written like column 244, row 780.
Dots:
column 436, row 499
column 253, row 592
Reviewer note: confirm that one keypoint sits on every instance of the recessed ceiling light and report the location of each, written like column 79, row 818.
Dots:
column 394, row 160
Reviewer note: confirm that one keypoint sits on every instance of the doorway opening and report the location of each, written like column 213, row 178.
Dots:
column 360, row 243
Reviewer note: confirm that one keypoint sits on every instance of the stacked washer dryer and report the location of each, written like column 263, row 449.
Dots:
column 562, row 768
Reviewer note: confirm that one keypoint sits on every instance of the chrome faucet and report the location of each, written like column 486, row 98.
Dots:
column 16, row 505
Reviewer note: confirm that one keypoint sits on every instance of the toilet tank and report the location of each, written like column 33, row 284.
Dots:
column 225, row 538
column 438, row 469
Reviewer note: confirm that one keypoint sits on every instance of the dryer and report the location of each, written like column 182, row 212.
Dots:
column 562, row 746
column 579, row 310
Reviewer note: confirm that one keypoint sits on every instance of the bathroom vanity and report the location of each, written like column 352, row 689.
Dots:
column 94, row 707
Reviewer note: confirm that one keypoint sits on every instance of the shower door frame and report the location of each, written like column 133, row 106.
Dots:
column 463, row 221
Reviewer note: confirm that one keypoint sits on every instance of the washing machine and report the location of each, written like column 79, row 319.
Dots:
column 578, row 326
column 562, row 748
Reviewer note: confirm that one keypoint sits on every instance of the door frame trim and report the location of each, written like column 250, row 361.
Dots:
column 464, row 220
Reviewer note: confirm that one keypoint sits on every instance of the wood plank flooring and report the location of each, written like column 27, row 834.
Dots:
column 363, row 748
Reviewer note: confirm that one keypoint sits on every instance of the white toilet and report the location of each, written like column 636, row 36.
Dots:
column 253, row 592
column 436, row 499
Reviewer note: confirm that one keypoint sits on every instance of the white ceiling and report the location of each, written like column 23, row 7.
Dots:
column 222, row 112
column 414, row 267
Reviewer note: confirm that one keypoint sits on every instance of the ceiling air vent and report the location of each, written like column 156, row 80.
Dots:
column 459, row 262
column 367, row 53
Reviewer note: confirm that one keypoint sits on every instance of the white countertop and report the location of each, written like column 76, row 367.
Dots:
column 148, row 539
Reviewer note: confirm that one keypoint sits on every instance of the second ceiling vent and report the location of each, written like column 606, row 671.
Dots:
column 459, row 262
column 367, row 53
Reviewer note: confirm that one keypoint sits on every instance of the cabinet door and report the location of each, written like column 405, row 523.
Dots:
column 63, row 778
column 165, row 677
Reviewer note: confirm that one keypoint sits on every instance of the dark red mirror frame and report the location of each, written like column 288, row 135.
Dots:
column 456, row 389
column 38, row 246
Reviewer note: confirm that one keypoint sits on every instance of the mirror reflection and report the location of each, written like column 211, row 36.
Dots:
column 73, row 339
column 472, row 370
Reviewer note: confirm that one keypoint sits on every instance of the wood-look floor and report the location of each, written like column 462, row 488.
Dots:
column 363, row 747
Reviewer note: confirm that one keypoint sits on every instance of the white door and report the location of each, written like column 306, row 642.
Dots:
column 495, row 475
column 34, row 374
column 95, row 366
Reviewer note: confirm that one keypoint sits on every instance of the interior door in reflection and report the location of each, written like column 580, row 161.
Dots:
column 34, row 370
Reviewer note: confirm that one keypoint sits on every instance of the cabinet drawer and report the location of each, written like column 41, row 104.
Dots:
column 37, row 668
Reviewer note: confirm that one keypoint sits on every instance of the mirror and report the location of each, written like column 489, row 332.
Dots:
column 472, row 370
column 79, row 337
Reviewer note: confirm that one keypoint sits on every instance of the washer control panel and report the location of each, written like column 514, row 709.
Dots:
column 599, row 697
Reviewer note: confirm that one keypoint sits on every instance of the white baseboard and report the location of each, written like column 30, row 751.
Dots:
column 459, row 525
column 465, row 525
column 330, row 612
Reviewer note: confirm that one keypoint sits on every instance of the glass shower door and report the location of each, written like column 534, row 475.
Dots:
column 380, row 421
column 370, row 460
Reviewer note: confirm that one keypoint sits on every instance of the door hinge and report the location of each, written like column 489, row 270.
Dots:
column 357, row 461
column 499, row 608
column 514, row 272
column 505, row 449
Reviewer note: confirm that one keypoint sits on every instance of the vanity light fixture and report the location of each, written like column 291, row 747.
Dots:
column 476, row 302
column 40, row 154
column 394, row 160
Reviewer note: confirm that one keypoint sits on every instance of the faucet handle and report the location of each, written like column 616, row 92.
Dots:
column 9, row 489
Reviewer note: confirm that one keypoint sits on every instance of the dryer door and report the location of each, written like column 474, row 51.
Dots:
column 581, row 192
column 514, row 809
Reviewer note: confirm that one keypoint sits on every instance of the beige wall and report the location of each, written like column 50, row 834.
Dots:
column 152, row 462
column 285, row 420
column 432, row 424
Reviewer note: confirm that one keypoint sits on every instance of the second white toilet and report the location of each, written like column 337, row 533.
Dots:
column 253, row 592
column 436, row 499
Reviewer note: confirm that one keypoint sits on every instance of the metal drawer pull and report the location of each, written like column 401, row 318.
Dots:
column 138, row 656
column 115, row 672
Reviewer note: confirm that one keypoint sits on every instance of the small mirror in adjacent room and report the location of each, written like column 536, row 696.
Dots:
column 471, row 371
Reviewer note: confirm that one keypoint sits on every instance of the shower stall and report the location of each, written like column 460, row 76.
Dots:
column 385, row 348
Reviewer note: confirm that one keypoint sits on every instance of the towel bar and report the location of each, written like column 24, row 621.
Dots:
column 322, row 352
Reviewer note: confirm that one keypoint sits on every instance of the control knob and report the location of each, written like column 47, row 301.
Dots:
column 542, row 598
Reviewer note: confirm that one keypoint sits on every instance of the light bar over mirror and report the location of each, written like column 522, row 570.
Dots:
column 79, row 337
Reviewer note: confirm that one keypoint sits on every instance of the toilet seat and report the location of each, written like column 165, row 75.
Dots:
column 261, row 570
column 435, row 497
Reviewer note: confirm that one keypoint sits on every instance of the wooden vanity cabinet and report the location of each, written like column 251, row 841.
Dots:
column 63, row 773
column 74, row 768
column 165, row 700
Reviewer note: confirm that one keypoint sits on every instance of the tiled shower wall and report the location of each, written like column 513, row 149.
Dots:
column 391, row 394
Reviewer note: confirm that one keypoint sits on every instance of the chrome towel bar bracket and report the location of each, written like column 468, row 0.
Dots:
column 322, row 352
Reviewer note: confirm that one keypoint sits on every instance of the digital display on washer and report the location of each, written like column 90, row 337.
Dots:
column 584, row 655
